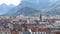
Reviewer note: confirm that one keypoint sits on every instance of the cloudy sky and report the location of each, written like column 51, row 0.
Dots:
column 8, row 2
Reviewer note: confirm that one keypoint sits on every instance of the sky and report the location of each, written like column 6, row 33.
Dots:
column 8, row 2
column 5, row 5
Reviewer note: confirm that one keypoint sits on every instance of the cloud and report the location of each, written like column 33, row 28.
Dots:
column 8, row 2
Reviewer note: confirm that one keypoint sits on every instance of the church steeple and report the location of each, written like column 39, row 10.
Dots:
column 40, row 17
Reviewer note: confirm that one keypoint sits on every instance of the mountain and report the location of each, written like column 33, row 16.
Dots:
column 3, row 9
column 7, row 9
column 28, row 11
column 53, row 12
column 36, row 4
column 31, row 7
column 11, row 6
column 39, row 4
column 23, row 11
column 11, row 12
